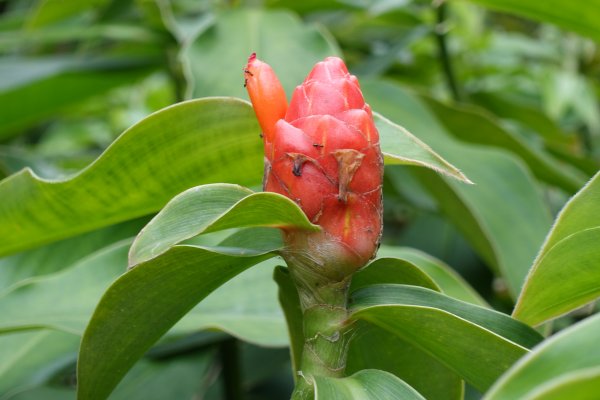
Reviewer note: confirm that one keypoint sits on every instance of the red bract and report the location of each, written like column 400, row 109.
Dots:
column 322, row 152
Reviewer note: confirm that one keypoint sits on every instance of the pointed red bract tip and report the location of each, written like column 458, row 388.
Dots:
column 266, row 94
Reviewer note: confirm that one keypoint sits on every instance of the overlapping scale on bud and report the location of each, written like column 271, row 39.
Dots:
column 324, row 154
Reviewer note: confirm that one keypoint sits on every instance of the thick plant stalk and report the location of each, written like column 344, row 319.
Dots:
column 322, row 152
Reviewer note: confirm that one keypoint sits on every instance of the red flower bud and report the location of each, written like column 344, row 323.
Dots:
column 323, row 153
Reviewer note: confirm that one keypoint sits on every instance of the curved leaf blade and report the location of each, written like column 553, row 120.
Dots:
column 29, row 358
column 144, row 304
column 211, row 140
column 582, row 385
column 370, row 348
column 447, row 279
column 475, row 125
column 211, row 208
column 478, row 343
column 391, row 270
column 399, row 146
column 574, row 357
column 50, row 299
column 369, row 384
column 565, row 276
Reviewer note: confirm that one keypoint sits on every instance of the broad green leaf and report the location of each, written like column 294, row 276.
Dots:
column 50, row 11
column 195, row 142
column 565, row 274
column 374, row 347
column 477, row 343
column 517, row 109
column 504, row 191
column 278, row 37
column 180, row 377
column 211, row 208
column 391, row 270
column 290, row 303
column 579, row 17
column 246, row 307
column 399, row 146
column 142, row 305
column 55, row 35
column 369, row 384
column 448, row 280
column 38, row 89
column 248, row 315
column 567, row 363
column 370, row 348
column 61, row 255
column 581, row 385
column 32, row 358
column 473, row 125
column 64, row 300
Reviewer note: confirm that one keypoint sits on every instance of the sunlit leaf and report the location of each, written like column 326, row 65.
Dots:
column 447, row 279
column 369, row 384
column 477, row 343
column 211, row 208
column 142, row 305
column 566, row 365
column 565, row 274
column 200, row 141
column 399, row 146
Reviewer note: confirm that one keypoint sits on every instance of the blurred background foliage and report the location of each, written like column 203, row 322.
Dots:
column 505, row 90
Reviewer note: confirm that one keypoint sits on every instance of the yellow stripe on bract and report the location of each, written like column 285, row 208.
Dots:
column 347, row 222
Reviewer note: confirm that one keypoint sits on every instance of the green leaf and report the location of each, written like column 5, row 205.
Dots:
column 144, row 304
column 49, row 11
column 478, row 343
column 369, row 384
column 374, row 347
column 147, row 380
column 447, row 279
column 579, row 17
column 25, row 96
column 55, row 257
column 504, row 191
column 217, row 57
column 245, row 307
column 252, row 316
column 195, row 142
column 565, row 274
column 65, row 300
column 474, row 125
column 32, row 358
column 211, row 208
column 391, row 270
column 565, row 364
column 399, row 146
column 290, row 303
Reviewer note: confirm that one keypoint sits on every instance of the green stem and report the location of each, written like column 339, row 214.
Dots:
column 440, row 35
column 327, row 332
column 232, row 374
